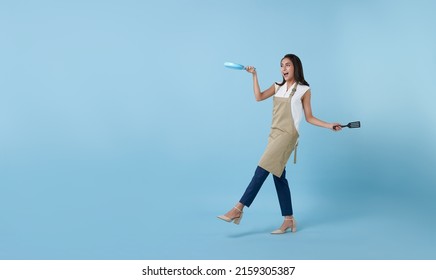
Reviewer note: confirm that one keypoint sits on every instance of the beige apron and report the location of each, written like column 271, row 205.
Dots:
column 282, row 139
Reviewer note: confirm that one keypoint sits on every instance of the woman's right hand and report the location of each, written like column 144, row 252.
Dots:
column 251, row 69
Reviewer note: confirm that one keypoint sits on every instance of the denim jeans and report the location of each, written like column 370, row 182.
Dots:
column 282, row 188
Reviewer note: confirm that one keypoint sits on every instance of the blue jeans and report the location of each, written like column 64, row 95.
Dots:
column 282, row 188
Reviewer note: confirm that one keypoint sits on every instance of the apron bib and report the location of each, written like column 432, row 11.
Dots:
column 282, row 139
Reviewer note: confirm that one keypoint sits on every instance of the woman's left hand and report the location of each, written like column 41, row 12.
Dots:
column 336, row 127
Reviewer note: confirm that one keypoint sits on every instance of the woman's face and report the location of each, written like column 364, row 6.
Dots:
column 287, row 69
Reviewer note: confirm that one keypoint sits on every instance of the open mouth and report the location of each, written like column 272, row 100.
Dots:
column 285, row 74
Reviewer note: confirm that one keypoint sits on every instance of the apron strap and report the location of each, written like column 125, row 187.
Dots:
column 294, row 89
column 296, row 144
column 295, row 153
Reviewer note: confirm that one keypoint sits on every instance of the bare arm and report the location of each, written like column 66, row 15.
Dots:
column 259, row 95
column 311, row 119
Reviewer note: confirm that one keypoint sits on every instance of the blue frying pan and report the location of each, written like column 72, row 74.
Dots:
column 234, row 66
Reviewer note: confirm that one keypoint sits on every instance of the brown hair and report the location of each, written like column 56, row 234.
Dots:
column 298, row 70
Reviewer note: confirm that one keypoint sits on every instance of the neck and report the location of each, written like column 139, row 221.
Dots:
column 290, row 83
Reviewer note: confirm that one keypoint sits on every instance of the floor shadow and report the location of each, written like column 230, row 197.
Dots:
column 308, row 221
column 311, row 220
column 259, row 231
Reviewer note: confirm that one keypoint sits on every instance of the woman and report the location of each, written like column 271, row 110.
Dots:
column 291, row 100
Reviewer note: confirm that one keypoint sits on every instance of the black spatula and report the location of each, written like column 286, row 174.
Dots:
column 351, row 125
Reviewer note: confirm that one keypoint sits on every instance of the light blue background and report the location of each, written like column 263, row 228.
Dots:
column 122, row 135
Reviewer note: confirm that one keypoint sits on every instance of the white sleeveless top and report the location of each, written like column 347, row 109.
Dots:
column 296, row 102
